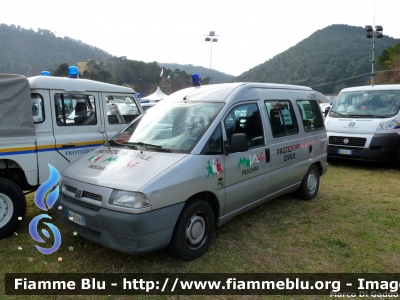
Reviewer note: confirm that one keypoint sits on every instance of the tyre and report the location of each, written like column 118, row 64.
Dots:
column 12, row 206
column 310, row 184
column 397, row 160
column 193, row 231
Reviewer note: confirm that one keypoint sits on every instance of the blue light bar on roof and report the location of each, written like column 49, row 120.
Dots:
column 73, row 72
column 195, row 79
column 45, row 73
column 138, row 95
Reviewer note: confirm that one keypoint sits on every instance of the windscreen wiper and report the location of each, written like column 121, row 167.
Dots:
column 337, row 113
column 112, row 142
column 149, row 146
column 130, row 145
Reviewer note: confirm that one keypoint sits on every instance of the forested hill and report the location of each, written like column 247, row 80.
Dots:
column 332, row 54
column 217, row 77
column 328, row 55
column 27, row 52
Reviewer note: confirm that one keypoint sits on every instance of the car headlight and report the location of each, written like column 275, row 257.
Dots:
column 388, row 125
column 129, row 199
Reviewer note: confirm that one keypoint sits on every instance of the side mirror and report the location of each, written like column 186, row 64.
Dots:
column 238, row 143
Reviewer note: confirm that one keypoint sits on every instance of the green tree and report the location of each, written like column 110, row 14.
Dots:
column 389, row 64
column 61, row 70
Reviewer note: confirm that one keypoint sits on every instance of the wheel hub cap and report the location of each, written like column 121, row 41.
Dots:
column 6, row 209
column 312, row 182
column 195, row 230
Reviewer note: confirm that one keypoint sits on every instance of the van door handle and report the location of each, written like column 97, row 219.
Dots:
column 69, row 145
column 267, row 156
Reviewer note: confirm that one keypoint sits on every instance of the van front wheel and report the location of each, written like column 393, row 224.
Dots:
column 12, row 207
column 397, row 160
column 193, row 231
column 310, row 184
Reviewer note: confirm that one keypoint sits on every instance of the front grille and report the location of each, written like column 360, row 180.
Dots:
column 81, row 203
column 85, row 193
column 353, row 141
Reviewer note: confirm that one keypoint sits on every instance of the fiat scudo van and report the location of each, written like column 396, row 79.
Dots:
column 194, row 161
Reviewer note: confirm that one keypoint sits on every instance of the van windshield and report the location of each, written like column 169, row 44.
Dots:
column 369, row 104
column 169, row 127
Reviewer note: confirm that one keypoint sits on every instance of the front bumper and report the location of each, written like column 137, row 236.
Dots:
column 124, row 232
column 382, row 148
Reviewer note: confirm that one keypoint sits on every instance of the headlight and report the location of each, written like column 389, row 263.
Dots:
column 128, row 199
column 388, row 125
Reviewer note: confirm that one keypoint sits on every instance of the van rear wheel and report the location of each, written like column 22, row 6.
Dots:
column 193, row 231
column 12, row 206
column 310, row 184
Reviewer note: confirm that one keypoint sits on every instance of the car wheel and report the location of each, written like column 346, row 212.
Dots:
column 397, row 160
column 12, row 206
column 310, row 184
column 193, row 231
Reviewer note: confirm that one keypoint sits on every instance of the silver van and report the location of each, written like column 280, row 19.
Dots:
column 194, row 161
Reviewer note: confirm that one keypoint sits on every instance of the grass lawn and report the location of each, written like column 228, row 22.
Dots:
column 352, row 226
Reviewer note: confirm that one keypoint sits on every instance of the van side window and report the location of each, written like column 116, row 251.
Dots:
column 214, row 144
column 245, row 119
column 121, row 109
column 310, row 114
column 282, row 118
column 75, row 110
column 37, row 108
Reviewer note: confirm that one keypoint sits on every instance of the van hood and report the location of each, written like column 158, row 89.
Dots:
column 350, row 125
column 123, row 169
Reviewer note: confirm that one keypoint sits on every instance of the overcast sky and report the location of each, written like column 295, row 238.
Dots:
column 250, row 32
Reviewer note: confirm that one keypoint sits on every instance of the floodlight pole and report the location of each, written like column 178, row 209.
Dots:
column 210, row 38
column 373, row 60
column 210, row 62
column 371, row 33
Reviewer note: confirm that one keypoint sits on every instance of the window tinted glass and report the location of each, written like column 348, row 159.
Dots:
column 121, row 109
column 282, row 118
column 37, row 108
column 214, row 144
column 311, row 114
column 245, row 119
column 75, row 110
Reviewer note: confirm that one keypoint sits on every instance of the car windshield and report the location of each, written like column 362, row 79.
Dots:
column 171, row 127
column 371, row 104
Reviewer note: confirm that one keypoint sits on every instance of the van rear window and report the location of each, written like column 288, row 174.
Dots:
column 311, row 116
column 282, row 118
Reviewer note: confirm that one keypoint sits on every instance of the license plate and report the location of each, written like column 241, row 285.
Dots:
column 76, row 218
column 345, row 151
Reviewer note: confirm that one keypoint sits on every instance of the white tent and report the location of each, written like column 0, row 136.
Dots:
column 158, row 95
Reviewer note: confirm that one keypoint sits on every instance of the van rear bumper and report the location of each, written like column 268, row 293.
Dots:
column 382, row 148
column 124, row 232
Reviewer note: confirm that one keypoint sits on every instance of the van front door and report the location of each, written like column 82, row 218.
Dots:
column 77, row 125
column 247, row 177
